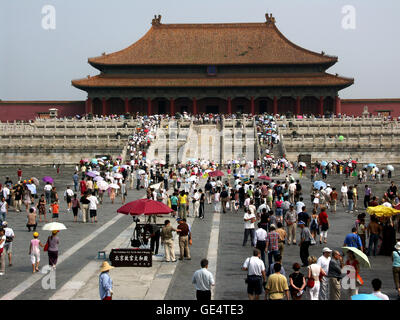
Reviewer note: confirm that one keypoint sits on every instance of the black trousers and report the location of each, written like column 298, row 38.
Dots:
column 366, row 201
column 29, row 226
column 203, row 295
column 201, row 210
column 155, row 242
column 304, row 252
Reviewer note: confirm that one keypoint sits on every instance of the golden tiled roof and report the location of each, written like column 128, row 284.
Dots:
column 261, row 80
column 213, row 44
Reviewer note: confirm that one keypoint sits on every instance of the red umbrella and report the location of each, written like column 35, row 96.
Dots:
column 354, row 161
column 216, row 173
column 144, row 206
column 264, row 178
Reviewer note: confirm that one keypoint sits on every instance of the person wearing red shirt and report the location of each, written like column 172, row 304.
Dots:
column 323, row 221
column 83, row 187
column 19, row 173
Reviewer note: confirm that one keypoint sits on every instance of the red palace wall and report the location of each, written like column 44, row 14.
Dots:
column 375, row 106
column 28, row 110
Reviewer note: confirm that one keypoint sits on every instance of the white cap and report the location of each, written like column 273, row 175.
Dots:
column 326, row 249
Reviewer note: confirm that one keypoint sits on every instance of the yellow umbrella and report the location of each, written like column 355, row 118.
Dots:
column 382, row 211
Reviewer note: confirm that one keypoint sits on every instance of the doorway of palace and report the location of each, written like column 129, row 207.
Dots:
column 162, row 107
column 212, row 109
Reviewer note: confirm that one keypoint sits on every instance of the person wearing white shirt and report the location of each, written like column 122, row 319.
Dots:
column 323, row 261
column 260, row 241
column 9, row 233
column 237, row 181
column 299, row 206
column 47, row 191
column 264, row 205
column 377, row 285
column 196, row 203
column 343, row 190
column 93, row 207
column 255, row 275
column 203, row 281
column 252, row 173
column 6, row 193
column 2, row 253
column 249, row 219
column 292, row 190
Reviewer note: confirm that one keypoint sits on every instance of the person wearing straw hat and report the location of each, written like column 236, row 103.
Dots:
column 52, row 250
column 105, row 282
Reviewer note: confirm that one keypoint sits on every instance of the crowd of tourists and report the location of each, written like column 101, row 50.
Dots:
column 266, row 191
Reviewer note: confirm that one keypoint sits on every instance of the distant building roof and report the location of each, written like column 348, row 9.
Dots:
column 213, row 44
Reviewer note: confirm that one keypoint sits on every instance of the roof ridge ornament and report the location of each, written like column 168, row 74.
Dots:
column 156, row 21
column 270, row 19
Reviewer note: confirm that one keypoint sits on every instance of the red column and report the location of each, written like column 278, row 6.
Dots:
column 275, row 105
column 298, row 105
column 194, row 106
column 104, row 106
column 126, row 105
column 338, row 104
column 149, row 111
column 89, row 108
column 321, row 106
column 252, row 108
column 229, row 105
column 172, row 106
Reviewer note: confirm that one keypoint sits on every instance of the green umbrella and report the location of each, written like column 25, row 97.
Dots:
column 341, row 138
column 360, row 256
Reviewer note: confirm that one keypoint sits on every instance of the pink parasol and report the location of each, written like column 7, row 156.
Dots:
column 216, row 173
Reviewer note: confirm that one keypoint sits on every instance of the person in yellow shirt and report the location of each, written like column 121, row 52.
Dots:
column 277, row 286
column 182, row 204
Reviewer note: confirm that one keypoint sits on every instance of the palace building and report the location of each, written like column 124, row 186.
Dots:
column 216, row 68
column 213, row 68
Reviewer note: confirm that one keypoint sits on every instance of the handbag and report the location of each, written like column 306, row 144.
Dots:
column 46, row 246
column 310, row 282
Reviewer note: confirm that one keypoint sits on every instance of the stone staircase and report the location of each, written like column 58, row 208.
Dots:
column 171, row 138
column 240, row 140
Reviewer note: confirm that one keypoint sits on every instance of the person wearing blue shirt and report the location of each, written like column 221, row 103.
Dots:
column 76, row 180
column 353, row 240
column 105, row 282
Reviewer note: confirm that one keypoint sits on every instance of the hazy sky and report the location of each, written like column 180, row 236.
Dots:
column 39, row 64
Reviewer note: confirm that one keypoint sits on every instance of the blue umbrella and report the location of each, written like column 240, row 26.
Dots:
column 364, row 296
column 324, row 163
column 371, row 165
column 95, row 161
column 115, row 169
column 319, row 184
